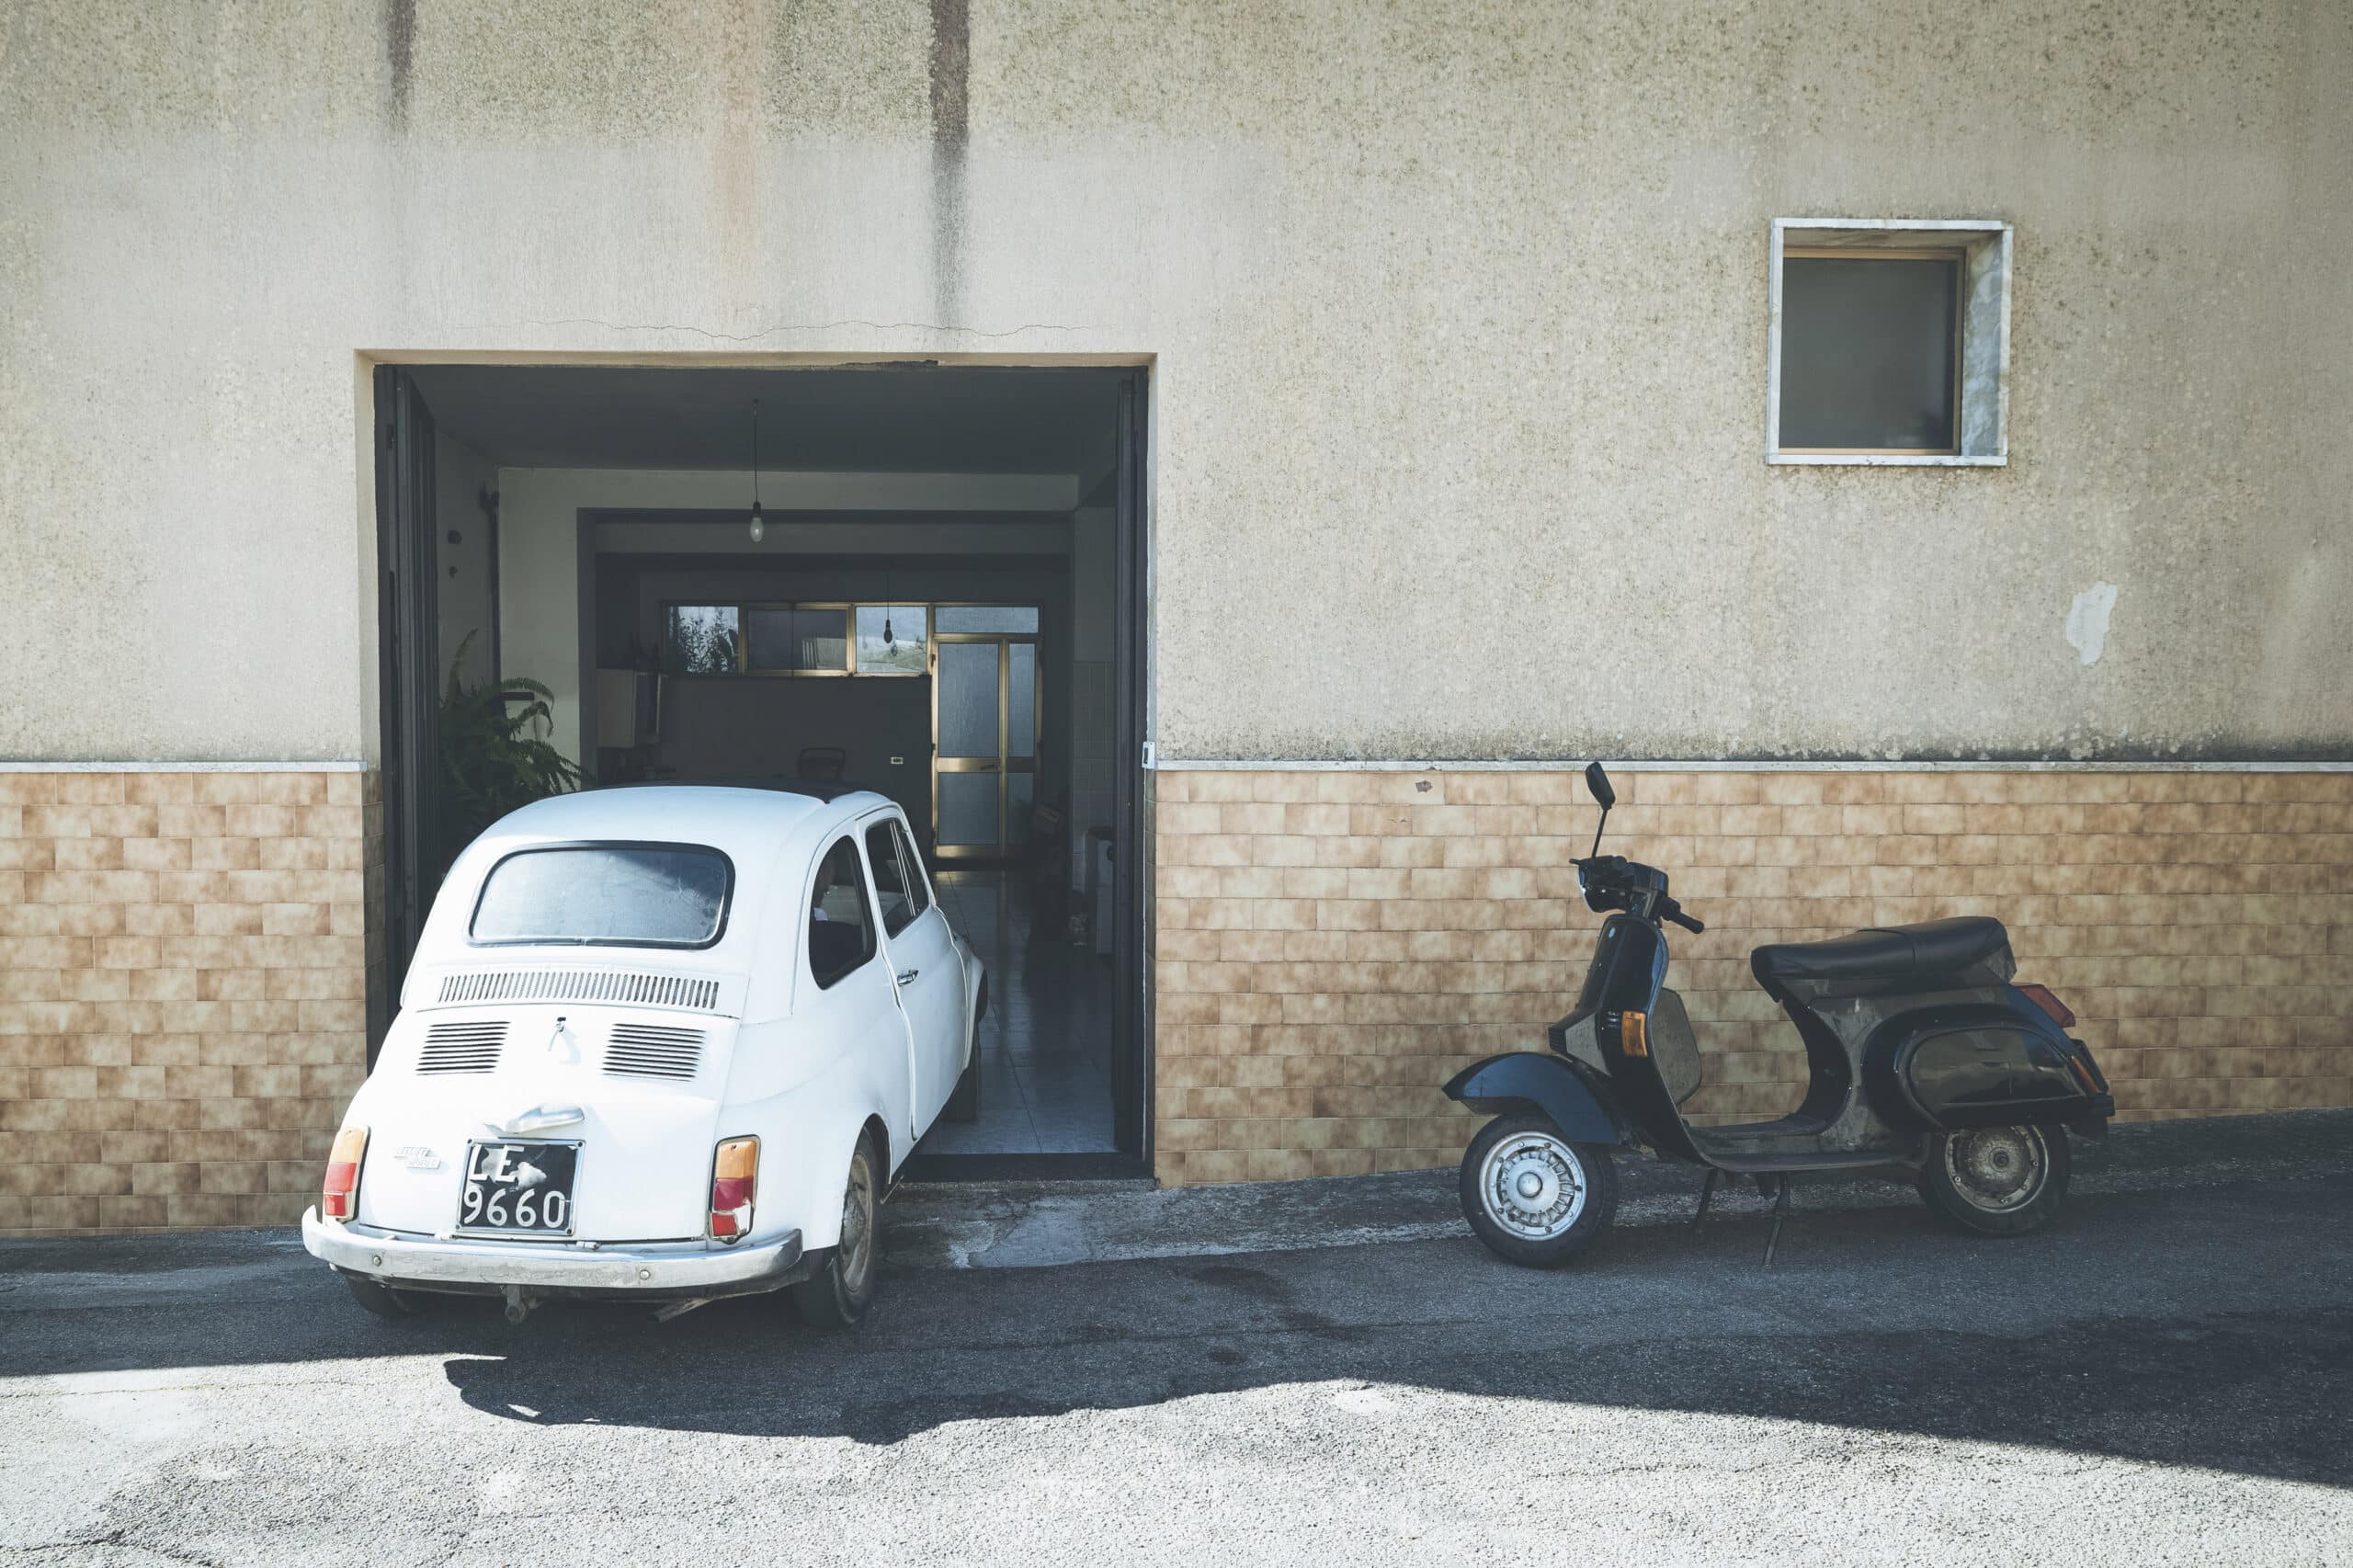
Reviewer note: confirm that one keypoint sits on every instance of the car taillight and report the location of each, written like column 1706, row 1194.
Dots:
column 734, row 1182
column 339, row 1194
column 2040, row 997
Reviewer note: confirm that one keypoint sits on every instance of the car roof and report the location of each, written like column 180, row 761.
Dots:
column 749, row 821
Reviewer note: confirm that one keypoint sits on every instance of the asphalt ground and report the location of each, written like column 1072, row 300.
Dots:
column 2160, row 1377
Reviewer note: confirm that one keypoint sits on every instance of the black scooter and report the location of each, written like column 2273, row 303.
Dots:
column 1925, row 1063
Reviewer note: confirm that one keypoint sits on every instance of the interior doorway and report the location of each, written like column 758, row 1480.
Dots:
column 939, row 597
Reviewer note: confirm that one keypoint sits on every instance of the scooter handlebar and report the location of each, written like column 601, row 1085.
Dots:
column 1685, row 921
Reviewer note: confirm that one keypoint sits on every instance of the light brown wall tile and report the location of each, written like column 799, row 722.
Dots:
column 182, row 970
column 2200, row 923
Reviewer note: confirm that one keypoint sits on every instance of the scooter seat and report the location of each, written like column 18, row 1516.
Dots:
column 1886, row 952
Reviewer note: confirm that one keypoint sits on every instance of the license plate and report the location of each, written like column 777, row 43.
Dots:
column 517, row 1187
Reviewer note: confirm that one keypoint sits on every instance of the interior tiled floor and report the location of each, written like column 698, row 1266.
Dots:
column 1045, row 1047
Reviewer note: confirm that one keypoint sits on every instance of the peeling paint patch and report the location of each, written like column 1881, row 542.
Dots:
column 2087, row 620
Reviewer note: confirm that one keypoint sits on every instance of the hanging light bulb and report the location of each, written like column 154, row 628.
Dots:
column 759, row 528
column 888, row 641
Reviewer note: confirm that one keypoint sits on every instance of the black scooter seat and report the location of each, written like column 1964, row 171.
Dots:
column 1885, row 953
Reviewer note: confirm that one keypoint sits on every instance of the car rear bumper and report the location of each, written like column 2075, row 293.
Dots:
column 653, row 1271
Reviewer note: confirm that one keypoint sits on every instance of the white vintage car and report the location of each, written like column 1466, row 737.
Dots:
column 662, row 1043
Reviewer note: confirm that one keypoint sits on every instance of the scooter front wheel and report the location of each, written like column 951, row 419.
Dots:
column 1997, row 1181
column 1533, row 1195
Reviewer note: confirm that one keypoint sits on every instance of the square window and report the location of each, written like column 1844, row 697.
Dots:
column 907, row 650
column 701, row 639
column 1889, row 342
column 798, row 638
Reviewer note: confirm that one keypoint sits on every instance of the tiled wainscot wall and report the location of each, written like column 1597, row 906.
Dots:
column 182, row 993
column 1330, row 946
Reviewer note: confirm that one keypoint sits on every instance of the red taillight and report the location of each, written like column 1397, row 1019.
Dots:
column 2040, row 997
column 734, row 1182
column 339, row 1193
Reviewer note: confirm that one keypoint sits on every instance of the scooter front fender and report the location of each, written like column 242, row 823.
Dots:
column 1576, row 1099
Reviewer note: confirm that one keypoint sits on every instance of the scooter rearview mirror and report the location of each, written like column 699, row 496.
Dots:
column 1597, row 780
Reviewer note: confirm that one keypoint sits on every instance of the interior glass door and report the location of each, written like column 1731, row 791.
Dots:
column 984, row 728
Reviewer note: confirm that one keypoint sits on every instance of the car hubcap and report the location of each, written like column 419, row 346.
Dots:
column 1997, row 1168
column 857, row 1225
column 1534, row 1184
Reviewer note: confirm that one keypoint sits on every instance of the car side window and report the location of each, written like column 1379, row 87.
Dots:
column 899, row 906
column 841, row 923
column 918, row 891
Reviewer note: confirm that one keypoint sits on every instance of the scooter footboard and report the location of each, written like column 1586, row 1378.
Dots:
column 1566, row 1091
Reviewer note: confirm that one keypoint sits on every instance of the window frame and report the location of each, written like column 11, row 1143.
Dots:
column 718, row 931
column 1981, row 331
column 849, row 609
column 888, row 828
column 874, row 922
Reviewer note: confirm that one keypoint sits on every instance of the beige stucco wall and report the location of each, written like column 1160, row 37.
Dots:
column 1457, row 313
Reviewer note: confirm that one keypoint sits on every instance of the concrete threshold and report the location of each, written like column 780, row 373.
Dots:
column 1041, row 1224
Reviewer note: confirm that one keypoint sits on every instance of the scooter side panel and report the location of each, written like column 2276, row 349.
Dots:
column 1980, row 1060
column 1576, row 1099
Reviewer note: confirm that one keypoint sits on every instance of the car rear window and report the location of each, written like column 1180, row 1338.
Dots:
column 629, row 896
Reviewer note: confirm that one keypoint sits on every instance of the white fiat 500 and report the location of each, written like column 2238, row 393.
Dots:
column 663, row 1043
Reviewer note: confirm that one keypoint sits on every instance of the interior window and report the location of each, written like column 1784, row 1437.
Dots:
column 841, row 925
column 890, row 879
column 918, row 891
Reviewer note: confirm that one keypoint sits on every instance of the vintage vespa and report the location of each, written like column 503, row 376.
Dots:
column 659, row 1043
column 1925, row 1063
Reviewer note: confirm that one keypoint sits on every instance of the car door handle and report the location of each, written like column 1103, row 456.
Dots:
column 907, row 976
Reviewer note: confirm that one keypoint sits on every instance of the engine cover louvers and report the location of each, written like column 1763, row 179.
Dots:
column 463, row 1048
column 687, row 992
column 652, row 1051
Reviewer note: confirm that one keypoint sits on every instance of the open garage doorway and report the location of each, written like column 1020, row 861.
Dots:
column 939, row 597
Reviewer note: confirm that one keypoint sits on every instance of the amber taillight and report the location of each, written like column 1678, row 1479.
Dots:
column 2040, row 997
column 734, row 1182
column 339, row 1194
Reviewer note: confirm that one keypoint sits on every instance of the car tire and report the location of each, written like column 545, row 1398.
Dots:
column 840, row 1293
column 1533, row 1197
column 1997, row 1181
column 384, row 1302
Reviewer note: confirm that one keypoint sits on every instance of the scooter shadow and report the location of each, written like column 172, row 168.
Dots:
column 2255, row 1391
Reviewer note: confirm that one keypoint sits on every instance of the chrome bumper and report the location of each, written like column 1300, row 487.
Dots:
column 648, row 1271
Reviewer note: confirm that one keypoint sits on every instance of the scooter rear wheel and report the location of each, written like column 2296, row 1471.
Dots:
column 1997, row 1181
column 1533, row 1197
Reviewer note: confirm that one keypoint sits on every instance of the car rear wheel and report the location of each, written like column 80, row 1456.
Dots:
column 838, row 1294
column 1997, row 1181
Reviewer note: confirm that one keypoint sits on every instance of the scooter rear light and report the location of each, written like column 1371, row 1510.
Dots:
column 1634, row 1034
column 339, row 1193
column 734, row 1182
column 2040, row 997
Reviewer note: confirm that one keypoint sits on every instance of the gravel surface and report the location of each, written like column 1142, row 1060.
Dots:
column 2163, row 1377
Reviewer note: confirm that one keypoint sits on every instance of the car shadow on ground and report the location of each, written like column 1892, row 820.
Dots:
column 2207, row 1327
column 2259, row 1391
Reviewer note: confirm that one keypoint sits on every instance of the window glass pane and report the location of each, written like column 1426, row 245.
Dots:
column 797, row 637
column 890, row 879
column 988, row 617
column 968, row 808
column 918, row 891
column 968, row 700
column 1021, row 699
column 1868, row 352
column 666, row 896
column 906, row 651
column 1021, row 792
column 841, row 928
column 701, row 639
